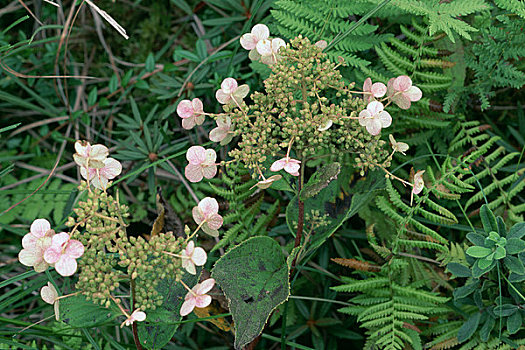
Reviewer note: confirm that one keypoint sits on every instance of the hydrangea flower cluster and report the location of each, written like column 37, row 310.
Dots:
column 109, row 261
column 306, row 109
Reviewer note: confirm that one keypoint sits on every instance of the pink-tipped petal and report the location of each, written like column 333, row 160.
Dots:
column 222, row 97
column 52, row 254
column 264, row 47
column 373, row 126
column 209, row 171
column 209, row 206
column 185, row 109
column 402, row 83
column 29, row 257
column 260, row 31
column 367, row 85
column 112, row 168
column 59, row 239
column 74, row 249
column 385, row 119
column 193, row 172
column 229, row 85
column 39, row 227
column 190, row 247
column 198, row 216
column 196, row 155
column 374, row 107
column 202, row 301
column 378, row 89
column 199, row 256
column 248, row 41
column 66, row 266
column 402, row 101
column 198, row 108
column 414, row 94
column 188, row 123
column 205, row 286
column 292, row 168
column 278, row 164
column 30, row 241
column 214, row 221
column 187, row 307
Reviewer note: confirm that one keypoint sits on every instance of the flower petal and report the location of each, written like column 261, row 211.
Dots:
column 193, row 172
column 402, row 101
column 199, row 256
column 364, row 115
column 66, row 266
column 39, row 227
column 248, row 41
column 29, row 257
column 222, row 97
column 367, row 85
column 187, row 307
column 260, row 31
column 414, row 94
column 185, row 109
column 74, row 249
column 138, row 316
column 209, row 206
column 205, row 286
column 30, row 241
column 277, row 43
column 49, row 293
column 214, row 221
column 385, row 119
column 374, row 107
column 378, row 89
column 188, row 123
column 241, row 92
column 292, row 168
column 229, row 85
column 202, row 301
column 196, row 155
column 197, row 106
column 373, row 126
column 52, row 254
column 209, row 171
column 112, row 168
column 189, row 266
column 402, row 83
column 264, row 47
column 198, row 216
column 278, row 164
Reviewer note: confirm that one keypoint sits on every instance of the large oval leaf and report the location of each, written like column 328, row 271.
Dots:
column 79, row 312
column 254, row 278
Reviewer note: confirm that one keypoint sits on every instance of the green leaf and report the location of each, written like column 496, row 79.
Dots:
column 113, row 83
column 459, row 270
column 502, row 229
column 515, row 246
column 517, row 231
column 254, row 278
column 154, row 333
column 469, row 328
column 477, row 270
column 484, row 263
column 487, row 327
column 488, row 219
column 478, row 252
column 466, row 290
column 514, row 264
column 201, row 50
column 476, row 238
column 514, row 322
column 320, row 180
column 150, row 63
column 500, row 253
column 79, row 312
column 92, row 97
column 505, row 310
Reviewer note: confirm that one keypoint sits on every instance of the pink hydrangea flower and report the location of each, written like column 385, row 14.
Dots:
column 50, row 295
column 201, row 163
column 326, row 125
column 197, row 297
column 191, row 112
column 222, row 133
column 402, row 92
column 249, row 40
column 35, row 244
column 136, row 316
column 374, row 118
column 400, row 147
column 206, row 213
column 374, row 90
column 90, row 156
column 265, row 183
column 419, row 184
column 63, row 253
column 99, row 177
column 193, row 256
column 230, row 92
column 269, row 50
column 291, row 166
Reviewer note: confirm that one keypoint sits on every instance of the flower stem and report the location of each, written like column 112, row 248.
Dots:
column 134, row 324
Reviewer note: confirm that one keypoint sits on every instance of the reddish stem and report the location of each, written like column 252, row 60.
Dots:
column 134, row 325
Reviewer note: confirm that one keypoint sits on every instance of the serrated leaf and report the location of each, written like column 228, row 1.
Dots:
column 488, row 219
column 254, row 278
column 321, row 179
column 469, row 328
column 79, row 312
column 459, row 270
